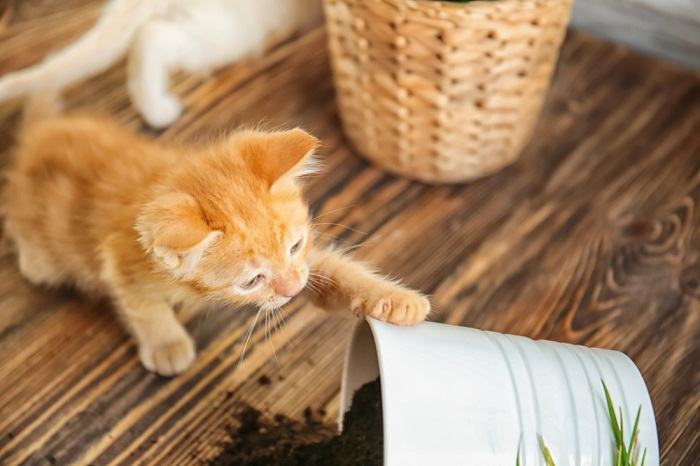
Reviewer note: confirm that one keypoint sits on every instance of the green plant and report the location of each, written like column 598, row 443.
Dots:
column 549, row 461
column 624, row 454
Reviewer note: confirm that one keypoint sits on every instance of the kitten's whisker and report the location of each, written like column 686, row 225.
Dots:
column 282, row 318
column 322, row 283
column 204, row 316
column 322, row 280
column 322, row 289
column 337, row 209
column 327, row 235
column 317, row 287
column 313, row 273
column 209, row 310
column 311, row 285
column 351, row 248
column 269, row 336
column 316, row 273
column 248, row 335
column 343, row 226
column 275, row 327
column 276, row 322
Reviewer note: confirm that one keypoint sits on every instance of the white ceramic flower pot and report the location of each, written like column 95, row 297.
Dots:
column 459, row 396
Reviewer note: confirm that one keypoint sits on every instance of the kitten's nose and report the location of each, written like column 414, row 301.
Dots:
column 288, row 285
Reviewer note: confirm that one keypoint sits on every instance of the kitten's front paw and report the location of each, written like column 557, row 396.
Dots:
column 397, row 305
column 168, row 358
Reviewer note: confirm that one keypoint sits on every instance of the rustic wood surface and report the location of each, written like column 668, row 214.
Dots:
column 593, row 237
column 666, row 28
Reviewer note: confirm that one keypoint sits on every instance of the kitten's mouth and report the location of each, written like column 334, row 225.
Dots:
column 276, row 303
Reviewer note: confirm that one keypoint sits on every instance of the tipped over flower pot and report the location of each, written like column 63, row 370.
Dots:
column 459, row 396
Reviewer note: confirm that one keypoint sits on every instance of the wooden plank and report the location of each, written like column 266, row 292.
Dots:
column 593, row 237
column 666, row 28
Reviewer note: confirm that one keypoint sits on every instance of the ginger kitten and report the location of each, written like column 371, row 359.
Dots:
column 113, row 213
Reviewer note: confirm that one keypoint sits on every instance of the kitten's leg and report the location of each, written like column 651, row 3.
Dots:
column 152, row 56
column 34, row 264
column 340, row 282
column 164, row 345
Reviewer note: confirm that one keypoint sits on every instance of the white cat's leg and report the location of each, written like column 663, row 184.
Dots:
column 152, row 56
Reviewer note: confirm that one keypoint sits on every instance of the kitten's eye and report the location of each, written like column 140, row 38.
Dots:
column 253, row 282
column 297, row 246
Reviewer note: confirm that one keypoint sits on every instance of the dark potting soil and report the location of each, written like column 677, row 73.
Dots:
column 280, row 441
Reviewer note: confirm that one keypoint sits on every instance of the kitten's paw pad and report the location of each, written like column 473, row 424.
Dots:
column 168, row 358
column 162, row 112
column 400, row 307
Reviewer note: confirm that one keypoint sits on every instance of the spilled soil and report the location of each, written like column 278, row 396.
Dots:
column 280, row 441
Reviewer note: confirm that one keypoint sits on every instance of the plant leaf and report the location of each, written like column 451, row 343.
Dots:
column 619, row 457
column 612, row 416
column 622, row 446
column 549, row 461
column 616, row 427
column 635, row 435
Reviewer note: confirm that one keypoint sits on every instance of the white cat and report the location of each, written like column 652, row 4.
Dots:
column 161, row 36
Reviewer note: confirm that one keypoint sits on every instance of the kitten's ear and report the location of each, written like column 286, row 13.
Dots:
column 279, row 155
column 172, row 227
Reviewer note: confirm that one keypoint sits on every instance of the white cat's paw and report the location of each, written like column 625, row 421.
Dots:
column 162, row 112
column 169, row 358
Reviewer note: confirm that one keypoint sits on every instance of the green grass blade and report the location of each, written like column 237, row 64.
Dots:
column 617, row 427
column 635, row 434
column 622, row 425
column 619, row 457
column 549, row 461
column 612, row 415
column 622, row 447
column 623, row 455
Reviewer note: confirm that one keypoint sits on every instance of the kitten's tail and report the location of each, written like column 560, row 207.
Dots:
column 94, row 52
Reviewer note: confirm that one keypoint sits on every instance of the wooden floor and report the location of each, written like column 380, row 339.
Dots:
column 593, row 237
column 666, row 28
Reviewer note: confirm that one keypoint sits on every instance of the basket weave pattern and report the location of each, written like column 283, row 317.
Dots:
column 438, row 91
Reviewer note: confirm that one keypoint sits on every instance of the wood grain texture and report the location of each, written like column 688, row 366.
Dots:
column 666, row 28
column 592, row 237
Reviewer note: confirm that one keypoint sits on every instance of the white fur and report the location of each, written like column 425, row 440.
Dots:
column 162, row 36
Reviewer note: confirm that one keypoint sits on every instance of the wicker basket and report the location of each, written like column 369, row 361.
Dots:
column 439, row 91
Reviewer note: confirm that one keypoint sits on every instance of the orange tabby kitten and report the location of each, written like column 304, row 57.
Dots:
column 113, row 213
